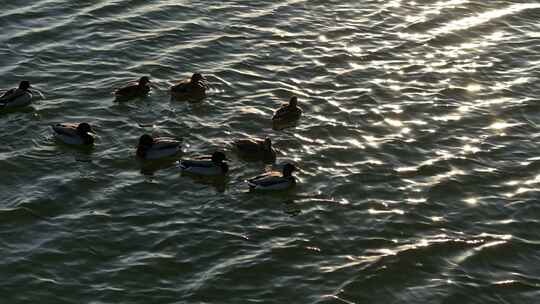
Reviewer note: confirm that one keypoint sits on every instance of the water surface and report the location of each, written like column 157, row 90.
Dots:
column 418, row 153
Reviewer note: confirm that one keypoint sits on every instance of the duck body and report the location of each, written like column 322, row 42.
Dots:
column 141, row 89
column 192, row 89
column 16, row 100
column 17, row 97
column 206, row 166
column 274, row 181
column 256, row 149
column 288, row 112
column 150, row 148
column 74, row 133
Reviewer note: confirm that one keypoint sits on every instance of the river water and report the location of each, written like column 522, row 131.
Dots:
column 417, row 152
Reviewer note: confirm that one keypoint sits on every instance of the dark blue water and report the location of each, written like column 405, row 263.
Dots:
column 417, row 153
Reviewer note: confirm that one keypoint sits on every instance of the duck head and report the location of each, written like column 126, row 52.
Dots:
column 197, row 77
column 143, row 81
column 218, row 157
column 24, row 85
column 293, row 102
column 288, row 169
column 145, row 140
column 84, row 128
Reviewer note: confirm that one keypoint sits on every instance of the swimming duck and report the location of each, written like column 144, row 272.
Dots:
column 274, row 180
column 140, row 89
column 256, row 149
column 288, row 112
column 74, row 133
column 207, row 165
column 17, row 97
column 150, row 148
column 192, row 89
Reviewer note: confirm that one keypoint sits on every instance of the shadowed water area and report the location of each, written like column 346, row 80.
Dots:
column 417, row 151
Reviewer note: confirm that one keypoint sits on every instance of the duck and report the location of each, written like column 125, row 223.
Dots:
column 274, row 181
column 191, row 89
column 17, row 97
column 152, row 148
column 74, row 133
column 288, row 112
column 213, row 165
column 259, row 149
column 140, row 89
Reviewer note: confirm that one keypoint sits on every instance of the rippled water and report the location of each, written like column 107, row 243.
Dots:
column 418, row 153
